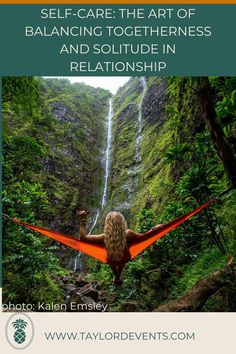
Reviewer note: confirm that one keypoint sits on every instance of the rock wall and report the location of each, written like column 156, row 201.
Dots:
column 170, row 115
column 73, row 172
column 128, row 180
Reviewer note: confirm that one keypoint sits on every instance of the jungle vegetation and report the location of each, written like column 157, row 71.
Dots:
column 54, row 135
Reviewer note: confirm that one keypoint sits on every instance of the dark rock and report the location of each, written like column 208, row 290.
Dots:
column 71, row 288
column 89, row 291
column 97, row 286
column 81, row 300
column 62, row 112
column 81, row 303
column 67, row 279
column 126, row 112
column 79, row 281
column 61, row 284
column 154, row 102
column 129, row 306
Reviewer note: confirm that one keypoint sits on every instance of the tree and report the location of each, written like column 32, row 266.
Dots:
column 220, row 142
column 196, row 297
column 21, row 92
column 176, row 155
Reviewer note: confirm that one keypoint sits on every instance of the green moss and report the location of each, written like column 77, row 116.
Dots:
column 210, row 260
column 46, row 290
column 69, row 126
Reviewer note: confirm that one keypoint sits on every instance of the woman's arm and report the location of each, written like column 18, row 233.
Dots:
column 131, row 235
column 83, row 230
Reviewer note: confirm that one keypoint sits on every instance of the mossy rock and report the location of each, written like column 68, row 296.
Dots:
column 155, row 277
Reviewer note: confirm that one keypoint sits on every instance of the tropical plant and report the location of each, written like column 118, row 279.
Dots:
column 176, row 153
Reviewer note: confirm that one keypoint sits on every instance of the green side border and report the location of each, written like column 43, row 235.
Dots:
column 1, row 181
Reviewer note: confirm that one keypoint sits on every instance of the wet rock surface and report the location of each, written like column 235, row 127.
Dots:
column 62, row 112
column 81, row 295
column 154, row 103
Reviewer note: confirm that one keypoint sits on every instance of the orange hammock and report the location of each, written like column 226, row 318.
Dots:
column 99, row 252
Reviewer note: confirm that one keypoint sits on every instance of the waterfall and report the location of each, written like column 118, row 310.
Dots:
column 140, row 123
column 107, row 163
column 94, row 222
column 78, row 262
column 107, row 155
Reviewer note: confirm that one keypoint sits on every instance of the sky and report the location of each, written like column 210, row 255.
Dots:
column 111, row 83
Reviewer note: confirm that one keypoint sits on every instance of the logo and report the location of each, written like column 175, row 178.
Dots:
column 19, row 331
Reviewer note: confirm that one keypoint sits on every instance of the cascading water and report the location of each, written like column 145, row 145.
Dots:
column 94, row 222
column 137, row 156
column 131, row 186
column 108, row 153
column 77, row 262
column 107, row 163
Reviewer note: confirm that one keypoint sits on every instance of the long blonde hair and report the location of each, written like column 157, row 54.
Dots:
column 115, row 235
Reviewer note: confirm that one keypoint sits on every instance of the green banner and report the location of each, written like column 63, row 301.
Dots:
column 102, row 40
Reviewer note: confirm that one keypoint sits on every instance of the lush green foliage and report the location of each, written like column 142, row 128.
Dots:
column 53, row 139
column 49, row 127
column 180, row 170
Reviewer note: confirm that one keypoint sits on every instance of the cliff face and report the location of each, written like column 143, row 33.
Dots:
column 133, row 176
column 70, row 124
column 54, row 140
column 73, row 170
column 166, row 119
column 147, row 119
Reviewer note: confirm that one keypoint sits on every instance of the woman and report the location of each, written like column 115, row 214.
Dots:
column 116, row 238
